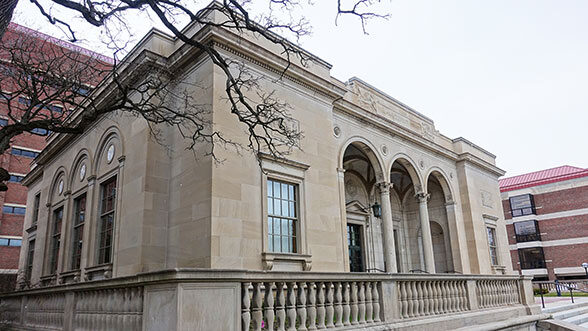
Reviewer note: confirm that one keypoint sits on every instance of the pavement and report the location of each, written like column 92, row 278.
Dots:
column 551, row 302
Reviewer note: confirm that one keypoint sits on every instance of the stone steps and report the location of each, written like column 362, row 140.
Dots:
column 576, row 314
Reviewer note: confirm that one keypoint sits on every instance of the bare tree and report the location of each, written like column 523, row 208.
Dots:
column 48, row 78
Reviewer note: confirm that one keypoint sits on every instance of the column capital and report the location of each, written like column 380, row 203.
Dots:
column 384, row 187
column 422, row 197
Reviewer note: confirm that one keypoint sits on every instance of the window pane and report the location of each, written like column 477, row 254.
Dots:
column 285, row 248
column 276, row 190
column 277, row 244
column 3, row 242
column 284, row 227
column 270, row 243
column 285, row 208
column 270, row 186
column 270, row 206
column 292, row 210
column 521, row 201
column 284, row 191
column 527, row 227
column 15, row 242
column 291, row 193
column 277, row 207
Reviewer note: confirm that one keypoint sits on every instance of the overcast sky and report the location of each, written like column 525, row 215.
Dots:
column 510, row 76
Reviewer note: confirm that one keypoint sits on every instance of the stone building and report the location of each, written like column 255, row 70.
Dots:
column 131, row 226
column 547, row 222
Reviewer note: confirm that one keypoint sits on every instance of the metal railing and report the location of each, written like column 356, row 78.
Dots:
column 558, row 286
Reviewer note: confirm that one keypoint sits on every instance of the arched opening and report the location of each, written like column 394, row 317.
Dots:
column 405, row 216
column 364, row 234
column 439, row 225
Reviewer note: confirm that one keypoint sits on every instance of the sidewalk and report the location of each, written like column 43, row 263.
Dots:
column 551, row 302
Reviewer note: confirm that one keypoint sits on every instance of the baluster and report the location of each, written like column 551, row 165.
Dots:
column 256, row 314
column 376, row 301
column 481, row 293
column 463, row 296
column 311, row 306
column 442, row 297
column 456, row 295
column 338, row 305
column 422, row 298
column 268, row 305
column 330, row 308
column 354, row 303
column 321, row 305
column 409, row 300
column 415, row 299
column 361, row 306
column 453, row 291
column 346, row 308
column 291, row 306
column 493, row 293
column 403, row 300
column 369, row 309
column 438, row 300
column 450, row 301
column 245, row 304
column 301, row 305
column 426, row 296
column 280, row 306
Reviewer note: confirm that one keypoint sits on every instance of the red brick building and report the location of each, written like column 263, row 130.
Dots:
column 546, row 213
column 17, row 160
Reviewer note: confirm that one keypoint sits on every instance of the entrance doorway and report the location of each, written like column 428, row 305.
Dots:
column 355, row 244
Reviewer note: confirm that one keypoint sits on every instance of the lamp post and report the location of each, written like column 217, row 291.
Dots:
column 585, row 266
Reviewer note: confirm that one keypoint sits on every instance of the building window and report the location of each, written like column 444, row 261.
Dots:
column 107, row 207
column 10, row 242
column 3, row 121
column 14, row 210
column 23, row 152
column 16, row 178
column 40, row 131
column 30, row 256
column 532, row 258
column 522, row 205
column 36, row 208
column 282, row 212
column 55, row 239
column 492, row 245
column 527, row 231
column 78, row 231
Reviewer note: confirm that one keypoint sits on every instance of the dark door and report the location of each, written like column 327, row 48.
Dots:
column 355, row 248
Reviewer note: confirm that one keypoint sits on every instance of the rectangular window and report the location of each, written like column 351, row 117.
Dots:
column 527, row 231
column 3, row 122
column 78, row 231
column 14, row 210
column 23, row 152
column 492, row 245
column 522, row 205
column 107, row 208
column 40, row 131
column 10, row 242
column 55, row 239
column 16, row 178
column 30, row 256
column 282, row 212
column 532, row 258
column 36, row 208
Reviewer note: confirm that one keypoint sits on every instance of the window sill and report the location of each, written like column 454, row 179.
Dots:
column 101, row 271
column 499, row 269
column 71, row 276
column 271, row 258
column 31, row 229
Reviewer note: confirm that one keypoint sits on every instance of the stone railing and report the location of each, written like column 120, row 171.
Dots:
column 183, row 299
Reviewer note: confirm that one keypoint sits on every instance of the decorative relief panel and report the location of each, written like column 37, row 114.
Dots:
column 367, row 99
column 487, row 200
column 354, row 190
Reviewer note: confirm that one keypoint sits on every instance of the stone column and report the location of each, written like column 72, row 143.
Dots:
column 388, row 227
column 426, row 232
column 343, row 210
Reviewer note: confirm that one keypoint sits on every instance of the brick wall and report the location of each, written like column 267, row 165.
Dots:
column 557, row 228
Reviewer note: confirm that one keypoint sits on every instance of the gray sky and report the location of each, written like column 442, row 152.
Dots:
column 510, row 76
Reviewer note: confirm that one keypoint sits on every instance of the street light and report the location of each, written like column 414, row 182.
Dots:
column 585, row 266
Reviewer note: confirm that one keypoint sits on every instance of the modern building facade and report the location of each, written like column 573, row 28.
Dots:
column 17, row 160
column 546, row 214
column 378, row 219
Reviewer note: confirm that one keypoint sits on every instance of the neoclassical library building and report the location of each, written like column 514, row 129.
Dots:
column 378, row 220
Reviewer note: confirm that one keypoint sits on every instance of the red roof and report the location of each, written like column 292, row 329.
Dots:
column 541, row 177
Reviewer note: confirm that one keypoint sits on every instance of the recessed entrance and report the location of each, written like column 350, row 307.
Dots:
column 354, row 243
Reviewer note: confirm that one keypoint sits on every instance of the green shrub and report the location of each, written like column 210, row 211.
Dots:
column 537, row 291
